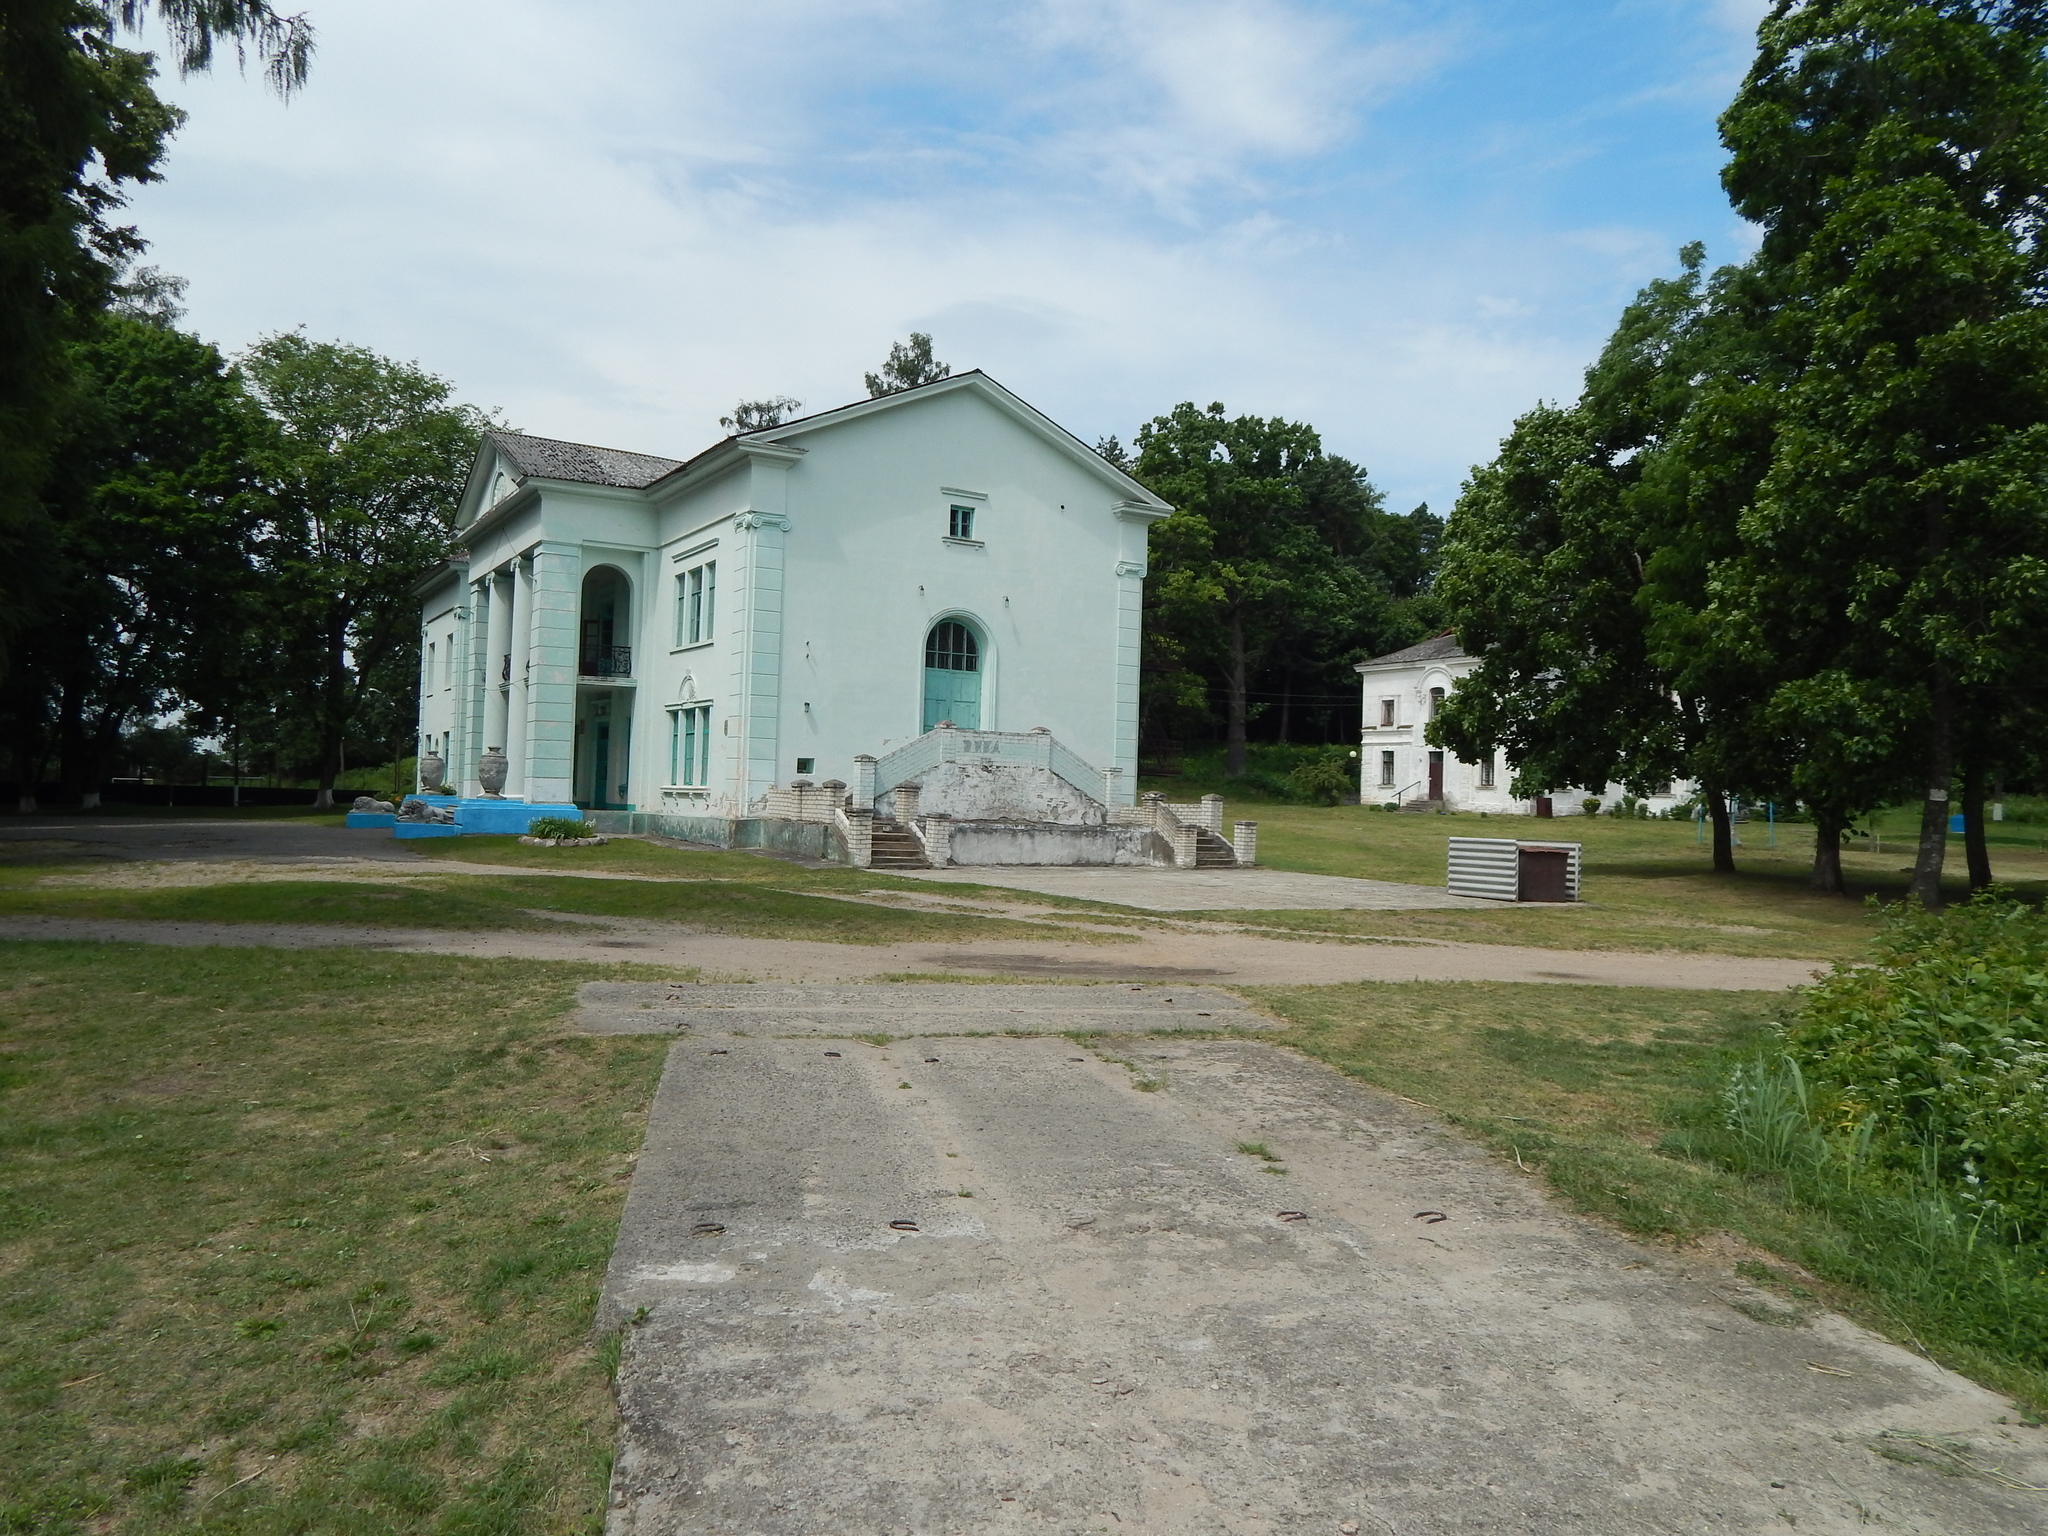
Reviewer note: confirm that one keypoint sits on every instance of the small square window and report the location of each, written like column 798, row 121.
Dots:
column 960, row 523
column 807, row 765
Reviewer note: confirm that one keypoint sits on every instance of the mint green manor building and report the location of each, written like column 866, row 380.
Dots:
column 897, row 587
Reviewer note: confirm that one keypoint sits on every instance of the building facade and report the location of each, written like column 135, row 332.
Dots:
column 1403, row 691
column 678, row 636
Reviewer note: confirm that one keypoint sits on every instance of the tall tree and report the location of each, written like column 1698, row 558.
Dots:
column 80, row 123
column 909, row 364
column 1895, row 154
column 1264, row 555
column 367, row 461
column 759, row 415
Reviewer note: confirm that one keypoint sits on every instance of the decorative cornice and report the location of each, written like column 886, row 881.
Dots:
column 1140, row 512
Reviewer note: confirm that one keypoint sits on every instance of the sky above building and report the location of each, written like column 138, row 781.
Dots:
column 1405, row 223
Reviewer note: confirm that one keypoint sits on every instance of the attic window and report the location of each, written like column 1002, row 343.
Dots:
column 500, row 485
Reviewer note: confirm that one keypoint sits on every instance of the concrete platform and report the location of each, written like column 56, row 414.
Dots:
column 991, row 1286
column 1207, row 890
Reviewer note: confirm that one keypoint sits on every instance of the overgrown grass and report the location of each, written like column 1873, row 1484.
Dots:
column 754, row 909
column 1616, row 1096
column 305, row 1242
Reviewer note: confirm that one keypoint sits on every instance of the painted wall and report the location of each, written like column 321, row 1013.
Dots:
column 833, row 563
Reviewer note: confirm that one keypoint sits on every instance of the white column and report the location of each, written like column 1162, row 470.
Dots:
column 497, row 636
column 521, row 648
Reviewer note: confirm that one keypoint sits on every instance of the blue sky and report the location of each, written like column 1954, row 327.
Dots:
column 1403, row 222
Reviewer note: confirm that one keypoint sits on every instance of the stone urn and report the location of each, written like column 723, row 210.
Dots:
column 491, row 769
column 432, row 772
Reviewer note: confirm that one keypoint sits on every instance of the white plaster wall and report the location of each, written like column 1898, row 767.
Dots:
column 969, row 791
column 1409, row 687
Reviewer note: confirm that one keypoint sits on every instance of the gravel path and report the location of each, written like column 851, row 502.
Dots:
column 1240, row 959
column 987, row 1285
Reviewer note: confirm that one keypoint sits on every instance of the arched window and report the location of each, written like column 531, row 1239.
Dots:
column 952, row 676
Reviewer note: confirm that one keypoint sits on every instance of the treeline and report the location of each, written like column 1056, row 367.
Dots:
column 188, row 544
column 1279, row 569
column 1791, row 541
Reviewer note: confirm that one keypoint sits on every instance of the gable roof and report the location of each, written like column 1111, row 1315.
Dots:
column 974, row 380
column 552, row 459
column 1443, row 647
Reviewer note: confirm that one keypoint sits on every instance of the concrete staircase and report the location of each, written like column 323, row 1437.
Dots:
column 1421, row 806
column 896, row 846
column 1212, row 852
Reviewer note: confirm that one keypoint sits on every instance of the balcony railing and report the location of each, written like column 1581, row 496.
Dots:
column 606, row 661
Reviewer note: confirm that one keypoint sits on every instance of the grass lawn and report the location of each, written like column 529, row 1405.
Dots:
column 755, row 908
column 1647, row 884
column 1594, row 1087
column 305, row 1242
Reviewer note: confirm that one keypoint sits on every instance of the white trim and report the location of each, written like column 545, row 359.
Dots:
column 695, row 549
column 954, row 490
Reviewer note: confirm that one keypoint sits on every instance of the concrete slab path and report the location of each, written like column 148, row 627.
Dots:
column 984, row 1285
column 1150, row 955
column 1209, row 890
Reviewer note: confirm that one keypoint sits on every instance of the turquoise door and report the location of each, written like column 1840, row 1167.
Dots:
column 952, row 676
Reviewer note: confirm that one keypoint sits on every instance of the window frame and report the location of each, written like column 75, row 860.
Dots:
column 1387, row 714
column 697, row 605
column 689, row 746
column 1487, row 775
column 1386, row 770
column 960, row 522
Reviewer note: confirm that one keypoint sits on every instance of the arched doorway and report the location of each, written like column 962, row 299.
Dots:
column 952, row 675
column 604, row 642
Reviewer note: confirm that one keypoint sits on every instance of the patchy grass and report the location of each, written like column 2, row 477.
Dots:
column 1599, row 1089
column 305, row 1241
column 481, row 901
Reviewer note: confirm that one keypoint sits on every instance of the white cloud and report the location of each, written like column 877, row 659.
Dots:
column 616, row 221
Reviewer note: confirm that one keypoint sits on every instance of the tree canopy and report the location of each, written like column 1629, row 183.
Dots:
column 909, row 364
column 1807, row 497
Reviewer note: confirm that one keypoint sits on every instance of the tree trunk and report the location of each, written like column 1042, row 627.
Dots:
column 1233, row 689
column 1934, row 810
column 1973, row 827
column 1828, row 827
column 1724, row 832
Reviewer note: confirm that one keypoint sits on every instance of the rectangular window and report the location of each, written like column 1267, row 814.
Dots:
column 960, row 522
column 696, row 600
column 1386, row 711
column 1486, row 774
column 448, row 662
column 433, row 666
column 1661, row 790
column 1386, row 770
column 806, row 765
column 689, row 746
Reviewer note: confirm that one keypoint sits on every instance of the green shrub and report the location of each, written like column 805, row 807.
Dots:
column 1329, row 778
column 559, row 826
column 1939, row 1049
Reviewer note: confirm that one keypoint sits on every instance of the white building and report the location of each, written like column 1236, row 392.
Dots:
column 1403, row 692
column 677, row 636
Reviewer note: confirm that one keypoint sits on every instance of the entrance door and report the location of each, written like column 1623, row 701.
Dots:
column 1545, row 875
column 1436, row 775
column 952, row 676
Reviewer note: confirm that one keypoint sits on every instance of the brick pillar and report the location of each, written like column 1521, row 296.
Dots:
column 904, row 801
column 1244, row 843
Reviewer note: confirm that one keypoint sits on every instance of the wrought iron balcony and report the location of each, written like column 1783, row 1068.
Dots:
column 606, row 661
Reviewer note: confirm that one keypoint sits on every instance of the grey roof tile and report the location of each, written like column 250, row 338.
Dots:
column 1443, row 647
column 552, row 459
